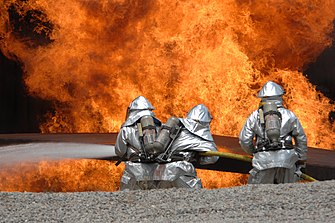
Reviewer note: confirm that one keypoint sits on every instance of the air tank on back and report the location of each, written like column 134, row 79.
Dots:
column 272, row 122
column 167, row 134
column 149, row 133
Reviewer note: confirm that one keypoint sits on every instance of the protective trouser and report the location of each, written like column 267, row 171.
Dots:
column 275, row 175
column 143, row 176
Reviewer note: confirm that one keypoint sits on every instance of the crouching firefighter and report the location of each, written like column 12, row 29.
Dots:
column 134, row 145
column 161, row 157
column 188, row 137
column 275, row 158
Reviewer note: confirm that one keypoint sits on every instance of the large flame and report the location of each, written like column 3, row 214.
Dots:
column 61, row 176
column 93, row 57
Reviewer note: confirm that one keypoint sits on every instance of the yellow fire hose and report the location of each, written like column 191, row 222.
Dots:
column 246, row 159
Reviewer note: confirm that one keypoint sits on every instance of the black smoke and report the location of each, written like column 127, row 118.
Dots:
column 322, row 72
column 19, row 112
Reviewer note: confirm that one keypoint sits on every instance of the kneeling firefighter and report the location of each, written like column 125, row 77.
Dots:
column 275, row 158
column 161, row 157
column 134, row 144
column 188, row 137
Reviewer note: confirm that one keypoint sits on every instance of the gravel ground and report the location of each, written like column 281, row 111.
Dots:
column 300, row 202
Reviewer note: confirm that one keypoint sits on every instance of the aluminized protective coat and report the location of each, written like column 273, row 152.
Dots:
column 139, row 175
column 188, row 141
column 290, row 127
column 270, row 89
column 127, row 142
column 173, row 174
column 196, row 135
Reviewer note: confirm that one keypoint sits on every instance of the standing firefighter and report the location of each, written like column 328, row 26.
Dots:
column 134, row 144
column 275, row 158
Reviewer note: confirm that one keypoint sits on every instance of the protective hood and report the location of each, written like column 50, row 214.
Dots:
column 198, row 129
column 270, row 89
column 199, row 113
column 135, row 115
column 140, row 103
column 197, row 122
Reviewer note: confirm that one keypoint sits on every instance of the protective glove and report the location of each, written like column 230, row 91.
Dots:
column 301, row 163
column 300, row 166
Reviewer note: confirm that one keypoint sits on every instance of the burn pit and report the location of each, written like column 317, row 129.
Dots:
column 178, row 56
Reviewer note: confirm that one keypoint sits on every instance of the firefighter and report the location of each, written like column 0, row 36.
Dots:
column 134, row 145
column 160, row 156
column 193, row 136
column 276, row 159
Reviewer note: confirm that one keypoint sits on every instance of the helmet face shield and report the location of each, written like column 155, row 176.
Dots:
column 270, row 89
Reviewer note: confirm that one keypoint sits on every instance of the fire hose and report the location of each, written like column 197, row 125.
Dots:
column 246, row 159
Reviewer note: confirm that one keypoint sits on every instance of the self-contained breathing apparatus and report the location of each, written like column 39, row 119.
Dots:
column 166, row 137
column 156, row 146
column 147, row 133
column 270, row 120
column 147, row 136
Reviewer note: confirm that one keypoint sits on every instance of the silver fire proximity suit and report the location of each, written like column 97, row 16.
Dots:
column 277, row 160
column 161, row 170
column 138, row 167
column 194, row 137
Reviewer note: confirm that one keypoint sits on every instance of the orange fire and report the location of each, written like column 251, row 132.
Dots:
column 87, row 175
column 61, row 176
column 93, row 57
